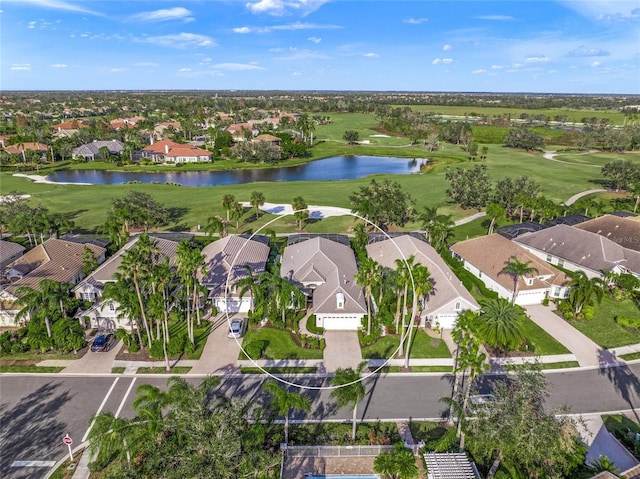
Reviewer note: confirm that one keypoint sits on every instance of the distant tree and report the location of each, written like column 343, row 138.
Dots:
column 89, row 261
column 495, row 212
column 621, row 173
column 257, row 200
column 473, row 150
column 228, row 200
column 383, row 204
column 137, row 209
column 471, row 188
column 507, row 191
column 299, row 205
column 351, row 136
column 524, row 138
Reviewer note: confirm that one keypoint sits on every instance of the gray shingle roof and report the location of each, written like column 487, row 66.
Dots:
column 8, row 249
column 335, row 263
column 623, row 231
column 92, row 149
column 446, row 286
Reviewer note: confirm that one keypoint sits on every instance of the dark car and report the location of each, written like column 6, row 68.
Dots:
column 102, row 343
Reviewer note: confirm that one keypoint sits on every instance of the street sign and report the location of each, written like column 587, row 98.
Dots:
column 67, row 440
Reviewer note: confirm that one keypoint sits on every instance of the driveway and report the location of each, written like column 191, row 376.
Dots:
column 585, row 350
column 220, row 354
column 94, row 363
column 342, row 350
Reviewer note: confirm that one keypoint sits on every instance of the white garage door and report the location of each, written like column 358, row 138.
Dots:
column 530, row 297
column 233, row 305
column 344, row 323
column 447, row 321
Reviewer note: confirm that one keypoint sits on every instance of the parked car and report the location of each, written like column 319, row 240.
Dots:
column 103, row 343
column 237, row 327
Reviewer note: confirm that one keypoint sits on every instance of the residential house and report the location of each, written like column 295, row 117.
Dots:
column 91, row 151
column 55, row 259
column 325, row 270
column 227, row 261
column 167, row 151
column 273, row 140
column 576, row 249
column 448, row 297
column 72, row 125
column 21, row 148
column 9, row 252
column 239, row 131
column 624, row 231
column 486, row 256
column 123, row 123
column 161, row 128
column 106, row 314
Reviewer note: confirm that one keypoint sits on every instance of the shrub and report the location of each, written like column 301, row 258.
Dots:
column 157, row 349
column 628, row 322
column 176, row 345
column 189, row 347
column 311, row 325
column 545, row 302
column 255, row 349
column 367, row 339
column 133, row 347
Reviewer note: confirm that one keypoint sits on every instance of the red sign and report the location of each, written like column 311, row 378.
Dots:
column 67, row 440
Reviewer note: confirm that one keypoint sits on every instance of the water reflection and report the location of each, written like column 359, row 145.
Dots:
column 328, row 169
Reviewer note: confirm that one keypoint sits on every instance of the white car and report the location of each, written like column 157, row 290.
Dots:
column 237, row 328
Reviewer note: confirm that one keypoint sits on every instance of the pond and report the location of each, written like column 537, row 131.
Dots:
column 328, row 169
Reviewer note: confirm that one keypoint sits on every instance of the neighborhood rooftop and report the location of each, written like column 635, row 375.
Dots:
column 621, row 230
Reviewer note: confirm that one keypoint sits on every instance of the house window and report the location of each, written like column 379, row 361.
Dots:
column 112, row 307
column 458, row 306
column 561, row 263
column 529, row 281
column 549, row 258
column 340, row 301
column 479, row 274
column 556, row 291
column 88, row 296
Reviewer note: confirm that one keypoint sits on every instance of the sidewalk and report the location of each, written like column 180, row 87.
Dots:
column 600, row 442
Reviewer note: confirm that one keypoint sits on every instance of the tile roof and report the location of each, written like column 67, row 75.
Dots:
column 266, row 137
column 55, row 259
column 582, row 248
column 171, row 149
column 446, row 286
column 329, row 261
column 228, row 257
column 621, row 230
column 93, row 148
column 8, row 249
column 27, row 146
column 492, row 252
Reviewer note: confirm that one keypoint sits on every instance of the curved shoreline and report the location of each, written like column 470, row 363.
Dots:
column 43, row 180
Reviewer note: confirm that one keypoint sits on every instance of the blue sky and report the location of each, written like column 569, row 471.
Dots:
column 504, row 46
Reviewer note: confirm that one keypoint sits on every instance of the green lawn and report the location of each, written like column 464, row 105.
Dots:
column 543, row 342
column 337, row 434
column 300, row 370
column 560, row 365
column 424, row 346
column 161, row 370
column 30, row 369
column 279, row 345
column 200, row 334
column 603, row 329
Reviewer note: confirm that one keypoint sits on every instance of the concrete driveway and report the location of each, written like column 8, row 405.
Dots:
column 94, row 363
column 342, row 350
column 220, row 354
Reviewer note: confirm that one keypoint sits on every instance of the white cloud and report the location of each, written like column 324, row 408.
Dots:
column 583, row 51
column 477, row 72
column 445, row 61
column 370, row 55
column 595, row 64
column 56, row 5
column 536, row 59
column 516, row 65
column 500, row 18
column 176, row 13
column 446, row 47
column 118, row 70
column 315, row 40
column 286, row 27
column 296, row 74
column 242, row 30
column 147, row 64
column 284, row 7
column 20, row 66
column 58, row 65
column 416, row 21
column 179, row 40
column 31, row 25
column 497, row 67
column 237, row 67
column 300, row 55
column 182, row 70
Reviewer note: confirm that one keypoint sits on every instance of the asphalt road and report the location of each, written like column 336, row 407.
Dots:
column 37, row 411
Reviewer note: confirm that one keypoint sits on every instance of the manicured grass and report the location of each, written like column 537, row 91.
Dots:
column 161, row 370
column 37, row 356
column 311, row 325
column 279, row 345
column 200, row 334
column 300, row 370
column 30, row 369
column 543, row 342
column 560, row 365
column 424, row 346
column 337, row 434
column 630, row 356
column 603, row 329
column 118, row 370
column 431, row 369
column 598, row 159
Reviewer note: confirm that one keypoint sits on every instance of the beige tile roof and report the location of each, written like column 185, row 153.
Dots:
column 58, row 260
column 28, row 146
column 447, row 288
column 491, row 253
column 621, row 230
column 583, row 248
column 321, row 258
column 227, row 258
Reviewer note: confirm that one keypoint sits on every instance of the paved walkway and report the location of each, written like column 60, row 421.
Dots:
column 587, row 352
column 470, row 218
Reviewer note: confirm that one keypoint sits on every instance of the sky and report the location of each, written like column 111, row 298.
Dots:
column 545, row 46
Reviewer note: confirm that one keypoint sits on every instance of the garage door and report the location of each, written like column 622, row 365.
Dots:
column 233, row 305
column 530, row 297
column 349, row 323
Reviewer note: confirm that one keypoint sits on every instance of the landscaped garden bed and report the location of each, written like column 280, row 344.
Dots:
column 625, row 430
column 273, row 343
column 338, row 434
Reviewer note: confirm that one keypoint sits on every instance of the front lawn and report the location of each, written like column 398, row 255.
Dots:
column 424, row 346
column 275, row 344
column 603, row 330
column 543, row 343
column 339, row 434
column 30, row 369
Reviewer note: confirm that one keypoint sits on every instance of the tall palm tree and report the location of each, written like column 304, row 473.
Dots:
column 284, row 402
column 463, row 332
column 500, row 323
column 299, row 205
column 349, row 390
column 257, row 200
column 227, row 203
column 584, row 290
column 122, row 292
column 47, row 301
column 517, row 268
column 405, row 277
column 366, row 277
column 496, row 212
column 189, row 262
column 421, row 286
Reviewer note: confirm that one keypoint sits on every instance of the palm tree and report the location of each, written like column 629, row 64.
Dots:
column 122, row 292
column 405, row 268
column 517, row 268
column 437, row 226
column 217, row 224
column 189, row 261
column 257, row 200
column 349, row 390
column 584, row 290
column 47, row 302
column 284, row 402
column 464, row 331
column 495, row 212
column 421, row 286
column 228, row 201
column 237, row 210
column 399, row 463
column 299, row 205
column 501, row 323
column 366, row 277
